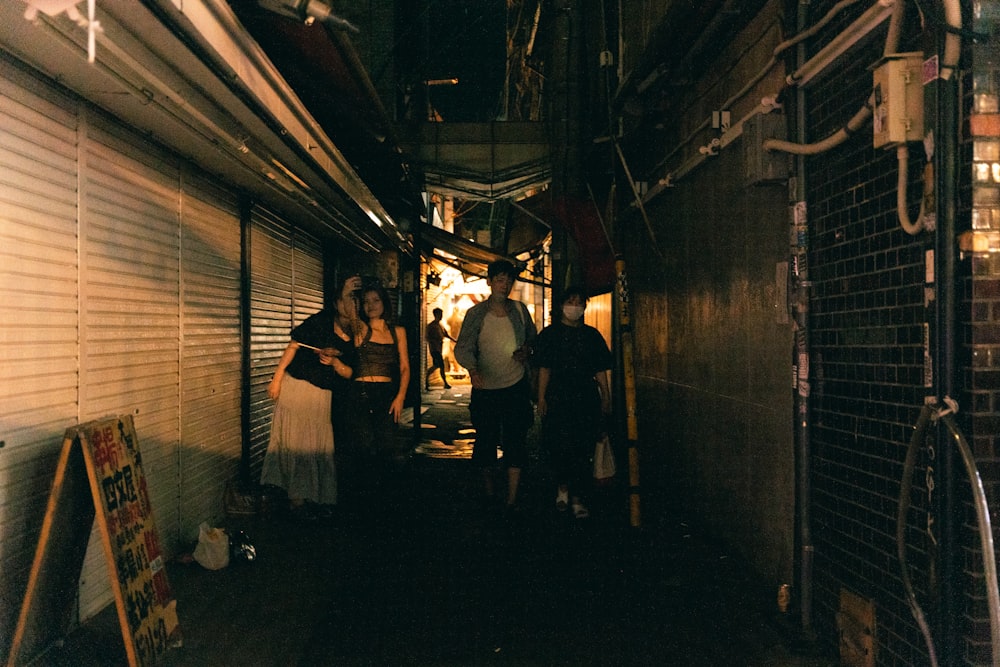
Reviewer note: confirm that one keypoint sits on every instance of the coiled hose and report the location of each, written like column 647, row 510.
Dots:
column 928, row 413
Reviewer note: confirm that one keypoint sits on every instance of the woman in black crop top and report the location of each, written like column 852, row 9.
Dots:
column 382, row 374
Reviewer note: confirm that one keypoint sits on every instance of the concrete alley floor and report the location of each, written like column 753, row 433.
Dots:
column 424, row 575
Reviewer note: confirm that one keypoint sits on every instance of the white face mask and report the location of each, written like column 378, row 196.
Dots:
column 572, row 313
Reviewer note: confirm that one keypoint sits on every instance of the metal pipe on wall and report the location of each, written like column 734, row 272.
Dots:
column 946, row 157
column 801, row 356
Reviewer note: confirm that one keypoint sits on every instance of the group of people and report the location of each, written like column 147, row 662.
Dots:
column 344, row 373
column 349, row 366
column 499, row 346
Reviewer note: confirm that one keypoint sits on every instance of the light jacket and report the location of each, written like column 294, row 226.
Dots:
column 467, row 346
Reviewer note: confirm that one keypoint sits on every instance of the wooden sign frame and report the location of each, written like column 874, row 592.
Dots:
column 99, row 475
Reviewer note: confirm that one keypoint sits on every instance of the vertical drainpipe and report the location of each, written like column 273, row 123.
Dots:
column 946, row 174
column 801, row 357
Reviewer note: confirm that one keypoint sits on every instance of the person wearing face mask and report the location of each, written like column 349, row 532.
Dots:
column 574, row 396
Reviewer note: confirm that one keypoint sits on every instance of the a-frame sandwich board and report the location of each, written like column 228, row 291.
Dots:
column 99, row 476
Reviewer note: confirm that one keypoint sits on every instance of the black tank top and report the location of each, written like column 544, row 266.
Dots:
column 378, row 359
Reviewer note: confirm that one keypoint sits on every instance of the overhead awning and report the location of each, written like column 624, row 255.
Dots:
column 472, row 259
column 582, row 222
column 190, row 76
column 488, row 161
column 468, row 257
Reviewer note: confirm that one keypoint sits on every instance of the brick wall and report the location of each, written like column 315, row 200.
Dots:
column 867, row 328
column 870, row 318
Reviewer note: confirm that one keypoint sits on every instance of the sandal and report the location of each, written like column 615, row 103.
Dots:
column 580, row 511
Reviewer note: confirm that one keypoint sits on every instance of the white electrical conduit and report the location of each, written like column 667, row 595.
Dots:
column 709, row 150
column 847, row 38
column 911, row 228
column 985, row 531
column 873, row 17
column 953, row 17
column 856, row 122
column 864, row 114
column 860, row 119
column 778, row 50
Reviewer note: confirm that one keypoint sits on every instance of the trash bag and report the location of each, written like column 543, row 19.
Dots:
column 212, row 552
column 241, row 548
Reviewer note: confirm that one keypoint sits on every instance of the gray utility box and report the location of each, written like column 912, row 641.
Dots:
column 761, row 167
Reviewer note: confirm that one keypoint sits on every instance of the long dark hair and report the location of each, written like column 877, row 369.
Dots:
column 383, row 295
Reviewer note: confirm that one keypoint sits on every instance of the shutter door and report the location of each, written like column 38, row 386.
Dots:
column 130, row 357
column 307, row 264
column 286, row 270
column 210, row 352
column 38, row 305
column 270, row 320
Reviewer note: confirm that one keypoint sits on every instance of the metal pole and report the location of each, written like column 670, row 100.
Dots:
column 628, row 371
column 801, row 354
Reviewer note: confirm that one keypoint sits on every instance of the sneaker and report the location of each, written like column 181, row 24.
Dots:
column 580, row 511
column 562, row 501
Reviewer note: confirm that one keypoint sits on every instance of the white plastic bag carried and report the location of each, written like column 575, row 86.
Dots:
column 212, row 552
column 604, row 462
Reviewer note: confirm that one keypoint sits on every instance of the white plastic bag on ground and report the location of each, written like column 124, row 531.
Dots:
column 212, row 552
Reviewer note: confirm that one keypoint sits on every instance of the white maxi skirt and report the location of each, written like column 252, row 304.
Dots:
column 299, row 456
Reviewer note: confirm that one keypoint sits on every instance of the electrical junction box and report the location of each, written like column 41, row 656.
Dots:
column 761, row 167
column 899, row 100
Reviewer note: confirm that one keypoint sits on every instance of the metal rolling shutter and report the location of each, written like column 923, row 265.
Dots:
column 270, row 319
column 286, row 287
column 119, row 289
column 38, row 305
column 307, row 262
column 210, row 352
column 130, row 315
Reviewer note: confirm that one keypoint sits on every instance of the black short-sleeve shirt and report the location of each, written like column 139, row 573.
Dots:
column 317, row 331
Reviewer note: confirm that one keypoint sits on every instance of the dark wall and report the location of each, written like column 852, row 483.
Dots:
column 714, row 341
column 714, row 360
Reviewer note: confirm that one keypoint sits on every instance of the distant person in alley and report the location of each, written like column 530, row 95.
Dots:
column 455, row 328
column 494, row 346
column 574, row 396
column 436, row 334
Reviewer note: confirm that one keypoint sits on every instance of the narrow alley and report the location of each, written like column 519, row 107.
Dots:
column 427, row 576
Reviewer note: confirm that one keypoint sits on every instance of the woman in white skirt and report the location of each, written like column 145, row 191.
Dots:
column 299, row 456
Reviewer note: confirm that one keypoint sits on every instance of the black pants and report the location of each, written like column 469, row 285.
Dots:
column 502, row 418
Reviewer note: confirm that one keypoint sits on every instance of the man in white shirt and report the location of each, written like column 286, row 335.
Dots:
column 494, row 345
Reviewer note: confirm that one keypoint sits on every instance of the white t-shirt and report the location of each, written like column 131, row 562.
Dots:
column 497, row 365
